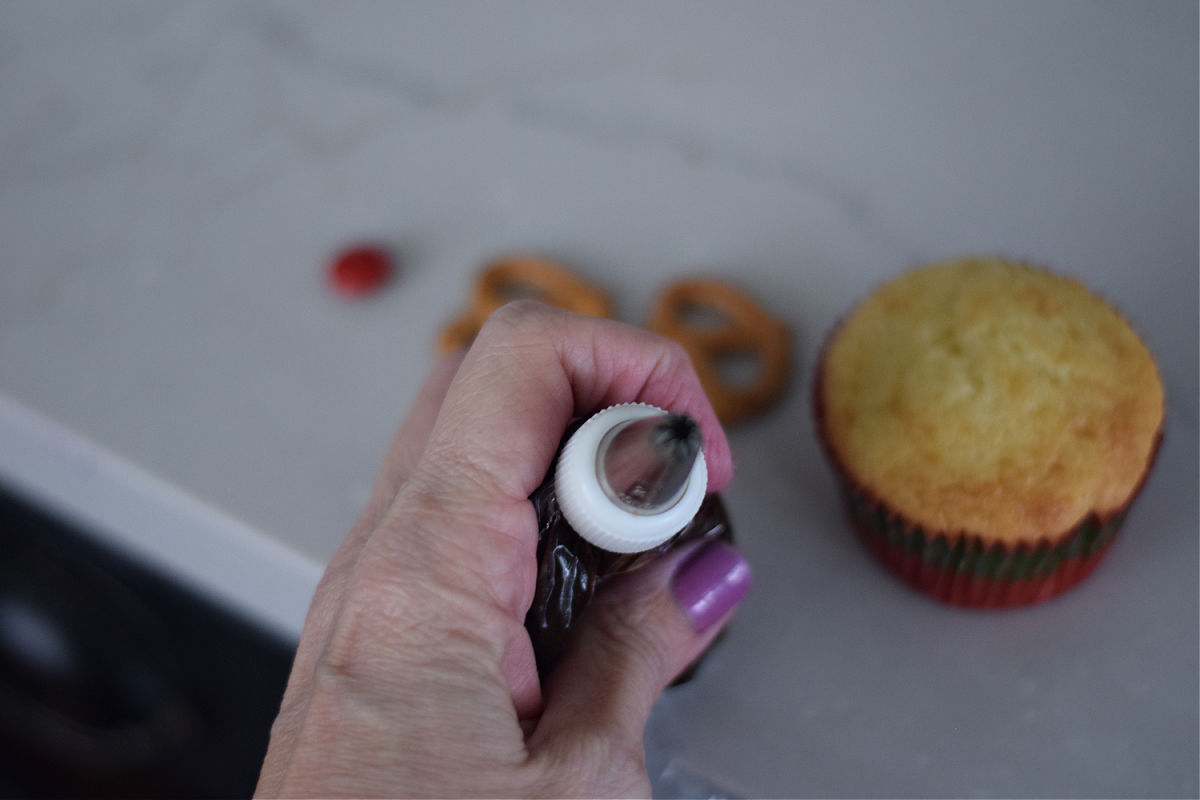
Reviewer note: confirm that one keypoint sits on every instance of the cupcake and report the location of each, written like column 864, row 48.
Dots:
column 989, row 424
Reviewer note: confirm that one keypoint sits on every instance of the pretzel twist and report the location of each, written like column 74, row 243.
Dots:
column 516, row 277
column 743, row 328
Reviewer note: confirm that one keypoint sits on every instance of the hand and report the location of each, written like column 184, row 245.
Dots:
column 414, row 675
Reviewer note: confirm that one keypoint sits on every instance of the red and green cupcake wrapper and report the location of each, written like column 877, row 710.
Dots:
column 965, row 570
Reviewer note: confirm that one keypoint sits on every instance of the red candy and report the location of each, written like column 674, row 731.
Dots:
column 360, row 271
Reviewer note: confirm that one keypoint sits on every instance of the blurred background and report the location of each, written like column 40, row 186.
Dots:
column 191, row 415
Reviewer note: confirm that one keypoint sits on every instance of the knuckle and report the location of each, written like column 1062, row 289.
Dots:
column 354, row 640
column 517, row 325
column 615, row 748
column 384, row 616
column 518, row 315
column 627, row 632
column 608, row 760
column 382, row 627
column 673, row 352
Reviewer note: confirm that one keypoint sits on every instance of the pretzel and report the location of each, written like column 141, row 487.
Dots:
column 743, row 328
column 522, row 276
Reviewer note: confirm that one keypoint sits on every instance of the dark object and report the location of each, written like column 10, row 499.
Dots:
column 570, row 569
column 116, row 682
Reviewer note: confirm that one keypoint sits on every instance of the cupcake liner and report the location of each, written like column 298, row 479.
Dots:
column 964, row 568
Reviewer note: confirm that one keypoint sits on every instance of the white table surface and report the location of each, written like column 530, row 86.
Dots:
column 174, row 177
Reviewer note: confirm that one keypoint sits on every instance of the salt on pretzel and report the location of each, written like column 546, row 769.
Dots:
column 742, row 328
column 522, row 276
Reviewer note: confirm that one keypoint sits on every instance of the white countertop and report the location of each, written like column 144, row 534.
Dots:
column 174, row 177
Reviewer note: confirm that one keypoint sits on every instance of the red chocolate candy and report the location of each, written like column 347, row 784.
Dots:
column 360, row 271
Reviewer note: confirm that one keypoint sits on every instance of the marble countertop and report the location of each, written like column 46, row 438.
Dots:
column 175, row 176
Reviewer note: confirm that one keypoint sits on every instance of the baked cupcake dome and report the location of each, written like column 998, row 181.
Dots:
column 990, row 424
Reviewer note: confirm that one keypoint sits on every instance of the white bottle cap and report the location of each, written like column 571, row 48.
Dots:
column 598, row 518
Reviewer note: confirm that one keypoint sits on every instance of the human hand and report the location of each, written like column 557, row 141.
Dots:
column 415, row 675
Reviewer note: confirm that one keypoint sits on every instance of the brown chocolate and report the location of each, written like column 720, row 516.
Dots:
column 570, row 569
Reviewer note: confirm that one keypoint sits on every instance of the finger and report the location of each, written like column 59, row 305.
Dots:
column 531, row 370
column 519, row 668
column 638, row 634
column 534, row 367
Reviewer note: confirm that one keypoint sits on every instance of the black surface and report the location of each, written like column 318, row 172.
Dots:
column 116, row 681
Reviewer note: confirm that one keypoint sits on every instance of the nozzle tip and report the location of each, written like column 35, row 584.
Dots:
column 645, row 464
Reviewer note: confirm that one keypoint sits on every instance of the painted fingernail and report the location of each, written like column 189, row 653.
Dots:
column 709, row 583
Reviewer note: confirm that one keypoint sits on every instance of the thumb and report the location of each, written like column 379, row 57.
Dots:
column 640, row 631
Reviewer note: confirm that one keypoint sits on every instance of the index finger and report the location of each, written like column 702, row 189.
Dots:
column 531, row 371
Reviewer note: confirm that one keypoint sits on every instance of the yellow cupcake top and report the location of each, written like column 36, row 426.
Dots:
column 992, row 398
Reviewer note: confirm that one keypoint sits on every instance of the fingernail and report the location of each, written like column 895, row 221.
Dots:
column 709, row 583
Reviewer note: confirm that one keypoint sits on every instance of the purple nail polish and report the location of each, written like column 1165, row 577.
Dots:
column 709, row 583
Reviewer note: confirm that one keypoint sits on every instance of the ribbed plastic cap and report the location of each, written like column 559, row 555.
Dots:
column 600, row 518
